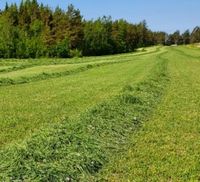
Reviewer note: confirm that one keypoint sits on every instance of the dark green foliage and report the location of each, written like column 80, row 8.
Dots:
column 75, row 27
column 159, row 37
column 186, row 37
column 75, row 53
column 75, row 149
column 61, row 49
column 175, row 38
column 126, row 37
column 195, row 35
column 97, row 37
column 32, row 30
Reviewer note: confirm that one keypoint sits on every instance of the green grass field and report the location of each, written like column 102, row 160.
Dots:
column 128, row 117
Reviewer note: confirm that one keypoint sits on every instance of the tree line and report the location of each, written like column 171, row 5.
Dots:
column 32, row 30
column 184, row 38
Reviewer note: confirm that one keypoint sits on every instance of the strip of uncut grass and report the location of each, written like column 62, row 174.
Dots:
column 29, row 73
column 168, row 146
column 75, row 150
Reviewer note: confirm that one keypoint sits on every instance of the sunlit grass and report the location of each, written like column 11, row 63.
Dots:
column 27, row 107
column 167, row 147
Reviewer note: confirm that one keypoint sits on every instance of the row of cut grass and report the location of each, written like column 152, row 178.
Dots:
column 188, row 52
column 42, row 72
column 74, row 150
column 168, row 146
column 27, row 107
column 17, row 64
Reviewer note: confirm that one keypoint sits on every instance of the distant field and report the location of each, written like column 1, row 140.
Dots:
column 23, row 71
column 128, row 117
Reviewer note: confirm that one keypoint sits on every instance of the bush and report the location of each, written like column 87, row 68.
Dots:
column 61, row 49
column 75, row 53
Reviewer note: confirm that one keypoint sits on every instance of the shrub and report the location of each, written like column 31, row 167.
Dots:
column 75, row 53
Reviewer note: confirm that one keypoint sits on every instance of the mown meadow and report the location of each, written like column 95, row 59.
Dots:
column 126, row 117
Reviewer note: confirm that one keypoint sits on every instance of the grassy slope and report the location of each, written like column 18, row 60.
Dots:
column 27, row 107
column 168, row 146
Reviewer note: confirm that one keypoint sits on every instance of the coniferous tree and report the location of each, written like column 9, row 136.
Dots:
column 33, row 30
column 186, row 37
column 195, row 35
column 74, row 27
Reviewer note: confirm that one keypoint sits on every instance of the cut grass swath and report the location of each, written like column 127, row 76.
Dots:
column 75, row 150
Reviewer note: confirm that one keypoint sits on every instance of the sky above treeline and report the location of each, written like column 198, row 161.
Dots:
column 161, row 15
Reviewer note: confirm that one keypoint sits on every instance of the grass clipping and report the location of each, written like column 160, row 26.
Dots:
column 73, row 150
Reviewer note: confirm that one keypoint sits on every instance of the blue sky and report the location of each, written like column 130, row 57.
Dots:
column 165, row 15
